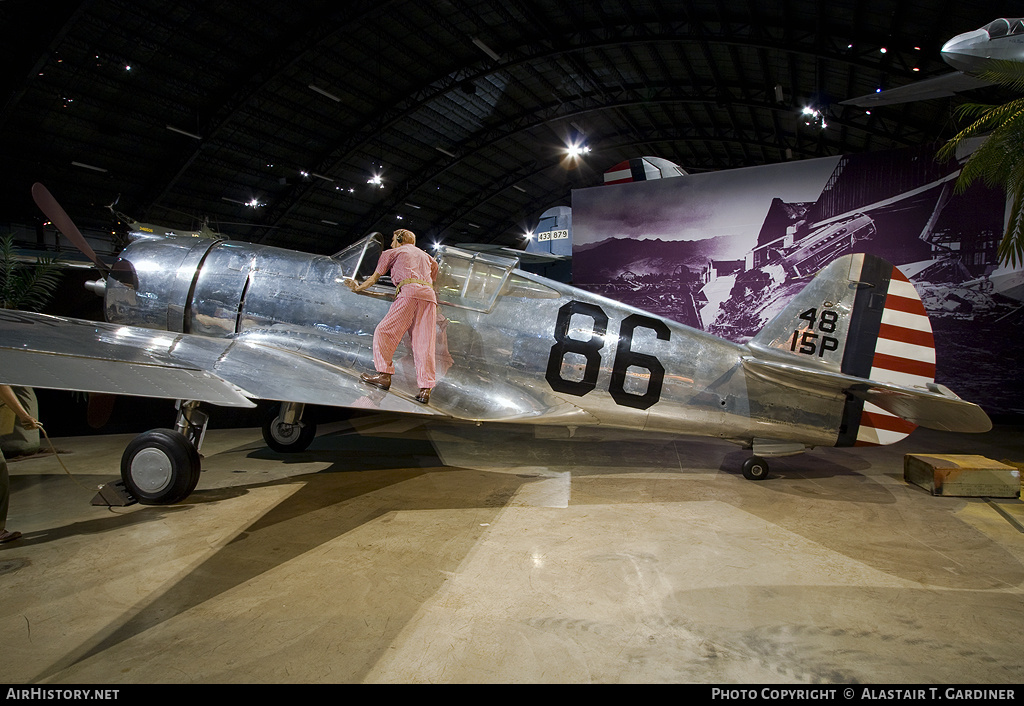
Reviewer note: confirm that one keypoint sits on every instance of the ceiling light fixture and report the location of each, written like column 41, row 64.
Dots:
column 83, row 165
column 251, row 203
column 193, row 135
column 576, row 151
column 322, row 92
column 442, row 150
column 813, row 116
column 485, row 49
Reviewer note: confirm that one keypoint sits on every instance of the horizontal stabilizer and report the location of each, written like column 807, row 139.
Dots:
column 933, row 408
column 937, row 408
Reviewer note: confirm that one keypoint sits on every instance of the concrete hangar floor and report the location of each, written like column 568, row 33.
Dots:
column 385, row 554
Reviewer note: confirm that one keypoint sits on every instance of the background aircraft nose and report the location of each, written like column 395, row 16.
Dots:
column 962, row 51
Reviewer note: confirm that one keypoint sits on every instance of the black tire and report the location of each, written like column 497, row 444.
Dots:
column 160, row 467
column 755, row 468
column 287, row 438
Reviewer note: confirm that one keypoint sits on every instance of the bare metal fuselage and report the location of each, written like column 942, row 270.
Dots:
column 514, row 347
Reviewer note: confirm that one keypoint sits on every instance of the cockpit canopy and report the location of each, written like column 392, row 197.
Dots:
column 467, row 280
column 359, row 260
column 1004, row 27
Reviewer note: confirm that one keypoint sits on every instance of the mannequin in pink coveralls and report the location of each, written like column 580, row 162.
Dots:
column 414, row 310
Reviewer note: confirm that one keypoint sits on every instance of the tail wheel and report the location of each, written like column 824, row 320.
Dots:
column 160, row 467
column 755, row 468
column 287, row 438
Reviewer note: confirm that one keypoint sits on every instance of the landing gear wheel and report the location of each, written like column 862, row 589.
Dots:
column 287, row 438
column 160, row 467
column 755, row 468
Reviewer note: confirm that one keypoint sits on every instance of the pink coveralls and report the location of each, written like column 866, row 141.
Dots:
column 414, row 310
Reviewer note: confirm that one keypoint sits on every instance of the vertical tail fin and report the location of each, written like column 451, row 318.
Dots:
column 904, row 354
column 860, row 317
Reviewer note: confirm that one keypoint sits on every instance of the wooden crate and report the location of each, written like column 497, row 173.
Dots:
column 961, row 475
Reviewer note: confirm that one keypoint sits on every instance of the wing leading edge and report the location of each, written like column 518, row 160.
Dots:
column 943, row 86
column 37, row 350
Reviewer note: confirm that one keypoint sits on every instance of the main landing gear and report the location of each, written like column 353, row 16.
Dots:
column 285, row 432
column 162, row 466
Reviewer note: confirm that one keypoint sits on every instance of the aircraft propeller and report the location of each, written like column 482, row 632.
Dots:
column 99, row 405
column 53, row 210
column 121, row 271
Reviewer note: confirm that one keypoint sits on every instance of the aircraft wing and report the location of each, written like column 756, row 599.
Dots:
column 37, row 350
column 939, row 87
column 934, row 408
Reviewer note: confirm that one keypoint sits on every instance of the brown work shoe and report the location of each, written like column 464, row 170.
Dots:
column 381, row 380
column 424, row 395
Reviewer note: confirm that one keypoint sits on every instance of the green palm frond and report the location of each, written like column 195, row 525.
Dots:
column 24, row 286
column 999, row 161
column 1009, row 74
column 1011, row 248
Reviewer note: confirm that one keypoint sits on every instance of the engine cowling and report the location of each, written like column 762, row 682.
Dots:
column 155, row 282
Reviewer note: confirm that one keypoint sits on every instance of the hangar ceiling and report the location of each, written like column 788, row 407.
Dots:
column 271, row 118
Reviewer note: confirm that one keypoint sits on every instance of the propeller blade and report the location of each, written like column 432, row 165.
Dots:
column 49, row 206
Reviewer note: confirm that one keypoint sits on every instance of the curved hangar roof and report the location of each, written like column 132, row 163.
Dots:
column 273, row 119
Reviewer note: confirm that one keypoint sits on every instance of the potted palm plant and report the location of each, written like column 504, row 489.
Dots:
column 999, row 161
column 28, row 287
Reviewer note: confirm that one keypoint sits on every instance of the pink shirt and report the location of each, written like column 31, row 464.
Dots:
column 409, row 262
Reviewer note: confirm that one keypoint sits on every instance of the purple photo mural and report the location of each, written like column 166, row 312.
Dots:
column 724, row 251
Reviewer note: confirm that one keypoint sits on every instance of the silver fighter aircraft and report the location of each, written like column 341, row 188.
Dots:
column 849, row 360
column 970, row 53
